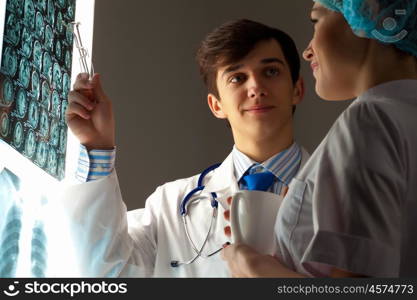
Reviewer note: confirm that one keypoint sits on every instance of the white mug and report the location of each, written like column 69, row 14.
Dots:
column 252, row 217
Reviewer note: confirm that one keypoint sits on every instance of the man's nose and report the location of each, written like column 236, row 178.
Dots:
column 256, row 89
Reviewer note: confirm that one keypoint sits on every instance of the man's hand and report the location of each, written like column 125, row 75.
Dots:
column 90, row 115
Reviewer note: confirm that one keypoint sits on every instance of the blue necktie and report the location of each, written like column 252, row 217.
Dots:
column 258, row 181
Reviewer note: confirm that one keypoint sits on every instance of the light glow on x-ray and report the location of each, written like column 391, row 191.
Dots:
column 34, row 236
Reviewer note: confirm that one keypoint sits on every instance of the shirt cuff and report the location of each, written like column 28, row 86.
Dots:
column 94, row 164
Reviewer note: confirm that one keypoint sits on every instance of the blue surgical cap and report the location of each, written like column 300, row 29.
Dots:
column 389, row 21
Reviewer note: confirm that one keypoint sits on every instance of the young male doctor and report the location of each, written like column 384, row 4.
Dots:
column 252, row 75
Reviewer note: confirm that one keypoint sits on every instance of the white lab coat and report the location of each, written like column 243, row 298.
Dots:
column 354, row 205
column 143, row 244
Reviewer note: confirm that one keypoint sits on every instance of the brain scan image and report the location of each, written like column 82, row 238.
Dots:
column 33, row 117
column 58, row 50
column 47, row 65
column 13, row 32
column 41, row 6
column 59, row 23
column 21, row 103
column 49, row 37
column 68, row 59
column 64, row 106
column 66, row 84
column 27, row 43
column 24, row 72
column 30, row 144
column 62, row 140
column 5, row 124
column 15, row 6
column 61, row 168
column 29, row 13
column 61, row 3
column 46, row 95
column 54, row 138
column 52, row 161
column 69, row 35
column 44, row 124
column 51, row 13
column 39, row 26
column 36, row 89
column 56, row 102
column 36, row 63
column 9, row 62
column 8, row 92
column 18, row 134
column 42, row 153
column 57, row 77
column 37, row 55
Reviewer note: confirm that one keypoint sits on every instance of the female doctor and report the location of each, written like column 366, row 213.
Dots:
column 352, row 210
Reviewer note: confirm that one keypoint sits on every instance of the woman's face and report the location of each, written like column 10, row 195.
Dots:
column 336, row 55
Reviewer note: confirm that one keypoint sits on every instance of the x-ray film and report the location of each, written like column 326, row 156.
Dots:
column 35, row 79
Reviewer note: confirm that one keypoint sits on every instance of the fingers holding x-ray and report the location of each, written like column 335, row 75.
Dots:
column 79, row 105
column 76, row 110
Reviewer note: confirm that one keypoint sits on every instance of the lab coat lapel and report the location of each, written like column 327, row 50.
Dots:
column 223, row 181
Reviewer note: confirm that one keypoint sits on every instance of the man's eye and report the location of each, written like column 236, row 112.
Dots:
column 313, row 21
column 272, row 72
column 236, row 78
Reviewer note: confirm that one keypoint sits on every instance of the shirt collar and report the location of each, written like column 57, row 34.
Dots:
column 284, row 165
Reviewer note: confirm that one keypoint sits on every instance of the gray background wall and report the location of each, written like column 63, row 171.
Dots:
column 145, row 52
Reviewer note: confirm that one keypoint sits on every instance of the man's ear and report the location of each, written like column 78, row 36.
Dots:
column 299, row 91
column 215, row 106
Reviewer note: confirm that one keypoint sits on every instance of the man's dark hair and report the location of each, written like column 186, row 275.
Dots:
column 232, row 41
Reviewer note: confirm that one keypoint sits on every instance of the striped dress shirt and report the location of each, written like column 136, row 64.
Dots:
column 284, row 165
column 95, row 164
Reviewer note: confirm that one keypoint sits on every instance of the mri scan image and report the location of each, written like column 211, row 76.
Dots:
column 13, row 29
column 35, row 79
column 8, row 92
column 29, row 14
column 44, row 124
column 30, row 144
column 33, row 118
column 26, row 43
column 56, row 102
column 47, row 65
column 49, row 38
column 42, row 154
column 24, row 73
column 9, row 62
column 18, row 134
column 54, row 134
column 46, row 95
column 37, row 55
column 4, row 123
column 21, row 103
column 39, row 26
column 36, row 89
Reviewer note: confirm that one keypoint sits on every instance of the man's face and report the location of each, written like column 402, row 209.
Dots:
column 257, row 94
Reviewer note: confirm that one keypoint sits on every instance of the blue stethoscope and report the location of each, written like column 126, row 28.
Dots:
column 184, row 212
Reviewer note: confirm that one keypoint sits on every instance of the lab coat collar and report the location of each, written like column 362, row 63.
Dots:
column 223, row 181
column 406, row 88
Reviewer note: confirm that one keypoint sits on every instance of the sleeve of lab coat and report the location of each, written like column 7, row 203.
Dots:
column 99, row 229
column 358, row 192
